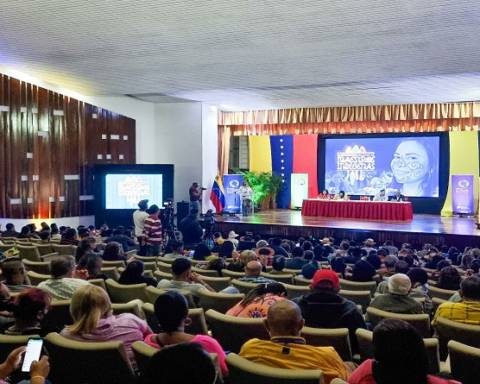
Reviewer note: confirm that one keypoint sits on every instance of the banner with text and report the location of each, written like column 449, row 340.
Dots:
column 463, row 195
column 231, row 183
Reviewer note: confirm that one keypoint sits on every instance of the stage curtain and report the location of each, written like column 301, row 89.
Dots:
column 463, row 161
column 260, row 154
column 305, row 160
column 223, row 149
column 404, row 112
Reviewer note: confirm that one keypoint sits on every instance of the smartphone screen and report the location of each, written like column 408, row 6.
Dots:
column 34, row 349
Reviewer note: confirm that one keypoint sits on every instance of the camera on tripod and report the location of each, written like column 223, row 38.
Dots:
column 169, row 212
column 209, row 221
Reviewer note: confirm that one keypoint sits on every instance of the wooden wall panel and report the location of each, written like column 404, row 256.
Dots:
column 64, row 136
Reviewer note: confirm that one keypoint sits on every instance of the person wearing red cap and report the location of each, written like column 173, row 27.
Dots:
column 325, row 308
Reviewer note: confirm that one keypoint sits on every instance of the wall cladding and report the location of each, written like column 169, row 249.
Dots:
column 48, row 146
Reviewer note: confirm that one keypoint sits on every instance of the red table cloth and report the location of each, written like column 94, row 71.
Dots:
column 356, row 209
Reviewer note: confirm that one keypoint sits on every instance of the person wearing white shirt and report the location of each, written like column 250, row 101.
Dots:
column 139, row 217
column 246, row 192
column 381, row 196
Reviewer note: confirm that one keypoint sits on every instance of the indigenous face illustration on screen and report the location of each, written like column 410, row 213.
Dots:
column 365, row 166
column 410, row 166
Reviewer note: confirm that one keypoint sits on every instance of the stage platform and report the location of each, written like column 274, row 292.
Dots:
column 286, row 223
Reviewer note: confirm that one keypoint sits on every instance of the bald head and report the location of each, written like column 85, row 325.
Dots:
column 399, row 284
column 284, row 318
column 253, row 269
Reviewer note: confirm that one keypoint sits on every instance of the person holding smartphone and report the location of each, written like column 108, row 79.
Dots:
column 39, row 368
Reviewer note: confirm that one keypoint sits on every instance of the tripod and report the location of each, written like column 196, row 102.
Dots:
column 208, row 237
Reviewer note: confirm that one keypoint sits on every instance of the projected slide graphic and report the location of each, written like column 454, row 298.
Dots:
column 125, row 191
column 364, row 166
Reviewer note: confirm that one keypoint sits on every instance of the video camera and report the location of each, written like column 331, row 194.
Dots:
column 209, row 221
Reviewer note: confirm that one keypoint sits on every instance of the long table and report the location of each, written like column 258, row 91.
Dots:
column 358, row 209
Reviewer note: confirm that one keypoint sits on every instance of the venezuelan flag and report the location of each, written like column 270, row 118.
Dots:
column 217, row 196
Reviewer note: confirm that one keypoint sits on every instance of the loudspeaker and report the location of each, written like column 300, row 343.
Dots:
column 182, row 211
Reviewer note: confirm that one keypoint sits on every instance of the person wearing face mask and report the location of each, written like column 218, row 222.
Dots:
column 413, row 166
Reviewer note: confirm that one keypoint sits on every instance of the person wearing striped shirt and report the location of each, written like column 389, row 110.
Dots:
column 152, row 232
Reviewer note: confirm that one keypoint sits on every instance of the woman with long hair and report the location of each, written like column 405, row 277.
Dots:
column 449, row 279
column 399, row 357
column 201, row 252
column 86, row 246
column 93, row 264
column 256, row 303
column 171, row 311
column 133, row 274
column 94, row 321
column 113, row 252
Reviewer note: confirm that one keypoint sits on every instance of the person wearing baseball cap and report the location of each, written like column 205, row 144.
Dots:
column 323, row 307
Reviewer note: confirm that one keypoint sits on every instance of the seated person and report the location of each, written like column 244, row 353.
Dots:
column 202, row 252
column 177, row 250
column 15, row 274
column 134, row 274
column 341, row 196
column 87, row 246
column 93, row 321
column 265, row 255
column 324, row 195
column 163, row 366
column 65, row 278
column 399, row 357
column 468, row 310
column 119, row 237
column 257, row 302
column 113, row 252
column 309, row 270
column 45, row 236
column 325, row 308
column 29, row 308
column 381, row 196
column 92, row 262
column 389, row 263
column 39, row 370
column 449, row 279
column 298, row 259
column 239, row 264
column 171, row 310
column 398, row 198
column 184, row 278
column 363, row 271
column 253, row 272
column 227, row 250
column 26, row 233
column 287, row 350
column 69, row 237
column 397, row 299
column 276, row 245
column 278, row 264
column 10, row 231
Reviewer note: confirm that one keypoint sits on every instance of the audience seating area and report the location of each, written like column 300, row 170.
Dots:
column 106, row 361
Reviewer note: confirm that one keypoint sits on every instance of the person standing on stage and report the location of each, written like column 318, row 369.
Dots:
column 139, row 217
column 246, row 192
column 398, row 197
column 381, row 196
column 152, row 233
column 195, row 196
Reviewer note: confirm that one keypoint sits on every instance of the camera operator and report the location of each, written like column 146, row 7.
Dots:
column 191, row 230
column 195, row 196
column 209, row 226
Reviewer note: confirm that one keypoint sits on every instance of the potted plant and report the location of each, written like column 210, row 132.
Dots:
column 258, row 181
column 274, row 187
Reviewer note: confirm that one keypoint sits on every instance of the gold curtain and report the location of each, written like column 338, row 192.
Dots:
column 404, row 112
column 224, row 134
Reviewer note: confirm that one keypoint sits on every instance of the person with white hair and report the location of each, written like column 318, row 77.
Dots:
column 397, row 299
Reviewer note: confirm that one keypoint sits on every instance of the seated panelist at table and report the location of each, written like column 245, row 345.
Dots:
column 341, row 196
column 381, row 196
column 398, row 197
column 324, row 195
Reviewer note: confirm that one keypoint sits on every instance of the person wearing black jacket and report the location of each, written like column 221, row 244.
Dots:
column 325, row 308
column 191, row 230
column 398, row 197
column 276, row 246
column 298, row 261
